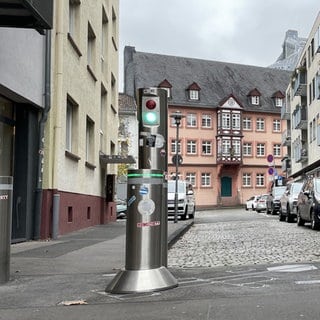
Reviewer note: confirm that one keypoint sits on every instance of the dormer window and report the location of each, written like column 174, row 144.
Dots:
column 165, row 84
column 193, row 92
column 278, row 98
column 194, row 95
column 255, row 100
column 254, row 97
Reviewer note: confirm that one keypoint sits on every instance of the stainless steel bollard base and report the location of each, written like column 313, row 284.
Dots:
column 150, row 280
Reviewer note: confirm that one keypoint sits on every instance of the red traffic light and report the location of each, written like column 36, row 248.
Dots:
column 151, row 104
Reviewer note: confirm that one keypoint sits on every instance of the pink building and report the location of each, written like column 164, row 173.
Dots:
column 231, row 122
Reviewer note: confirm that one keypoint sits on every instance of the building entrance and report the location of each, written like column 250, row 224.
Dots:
column 6, row 137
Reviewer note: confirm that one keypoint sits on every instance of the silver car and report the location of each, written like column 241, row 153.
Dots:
column 288, row 202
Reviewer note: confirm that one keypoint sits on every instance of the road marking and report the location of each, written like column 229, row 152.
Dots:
column 308, row 282
column 293, row 268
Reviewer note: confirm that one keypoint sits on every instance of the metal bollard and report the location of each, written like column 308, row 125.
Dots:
column 144, row 271
column 5, row 227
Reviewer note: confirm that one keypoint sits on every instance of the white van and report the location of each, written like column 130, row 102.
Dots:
column 186, row 199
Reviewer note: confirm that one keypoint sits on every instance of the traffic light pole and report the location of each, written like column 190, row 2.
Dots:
column 147, row 217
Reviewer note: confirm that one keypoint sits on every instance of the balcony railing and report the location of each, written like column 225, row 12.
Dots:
column 301, row 154
column 285, row 112
column 286, row 138
column 228, row 158
column 300, row 120
column 300, row 84
column 286, row 164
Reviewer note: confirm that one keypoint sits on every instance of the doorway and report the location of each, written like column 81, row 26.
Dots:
column 226, row 187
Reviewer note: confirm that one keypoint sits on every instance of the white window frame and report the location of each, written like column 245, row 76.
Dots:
column 260, row 124
column 246, row 179
column 191, row 177
column 247, row 149
column 226, row 123
column 89, row 140
column 236, row 121
column 260, row 180
column 91, row 47
column 191, row 147
column 71, row 138
column 247, row 123
column 205, row 179
column 278, row 102
column 236, row 147
column 207, row 147
column 191, row 120
column 206, row 121
column 277, row 150
column 255, row 100
column 194, row 94
column 276, row 125
column 173, row 146
column 261, row 149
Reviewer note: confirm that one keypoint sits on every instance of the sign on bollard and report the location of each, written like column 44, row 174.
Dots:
column 5, row 227
column 143, row 271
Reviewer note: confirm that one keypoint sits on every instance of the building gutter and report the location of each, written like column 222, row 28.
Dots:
column 43, row 120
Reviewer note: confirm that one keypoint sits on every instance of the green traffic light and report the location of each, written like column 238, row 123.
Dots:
column 150, row 118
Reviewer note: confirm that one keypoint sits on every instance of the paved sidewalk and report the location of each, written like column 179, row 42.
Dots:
column 72, row 268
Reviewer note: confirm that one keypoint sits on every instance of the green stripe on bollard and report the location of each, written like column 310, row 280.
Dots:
column 145, row 175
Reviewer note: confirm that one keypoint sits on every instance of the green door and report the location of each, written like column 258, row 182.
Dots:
column 226, row 187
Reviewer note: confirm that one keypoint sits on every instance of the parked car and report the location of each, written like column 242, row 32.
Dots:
column 273, row 201
column 121, row 209
column 251, row 203
column 262, row 203
column 288, row 202
column 186, row 199
column 308, row 206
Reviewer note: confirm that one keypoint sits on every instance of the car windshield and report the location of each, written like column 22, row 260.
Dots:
column 172, row 187
column 296, row 187
column 317, row 185
column 279, row 191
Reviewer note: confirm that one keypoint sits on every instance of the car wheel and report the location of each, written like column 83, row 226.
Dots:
column 281, row 216
column 191, row 216
column 315, row 224
column 289, row 216
column 185, row 215
column 300, row 221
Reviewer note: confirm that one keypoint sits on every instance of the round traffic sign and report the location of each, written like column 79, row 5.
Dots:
column 176, row 158
column 270, row 157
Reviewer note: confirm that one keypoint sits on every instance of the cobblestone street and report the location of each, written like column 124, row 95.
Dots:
column 244, row 238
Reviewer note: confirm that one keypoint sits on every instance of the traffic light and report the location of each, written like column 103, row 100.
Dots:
column 150, row 111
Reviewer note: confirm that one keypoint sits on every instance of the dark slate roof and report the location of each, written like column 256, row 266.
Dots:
column 217, row 80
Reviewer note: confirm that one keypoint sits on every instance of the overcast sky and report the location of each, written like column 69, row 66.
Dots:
column 240, row 31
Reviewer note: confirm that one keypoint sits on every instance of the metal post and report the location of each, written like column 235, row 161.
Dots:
column 176, row 198
column 177, row 116
column 55, row 216
column 143, row 271
column 6, row 189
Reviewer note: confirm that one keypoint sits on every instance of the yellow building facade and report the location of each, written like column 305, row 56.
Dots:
column 82, row 127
